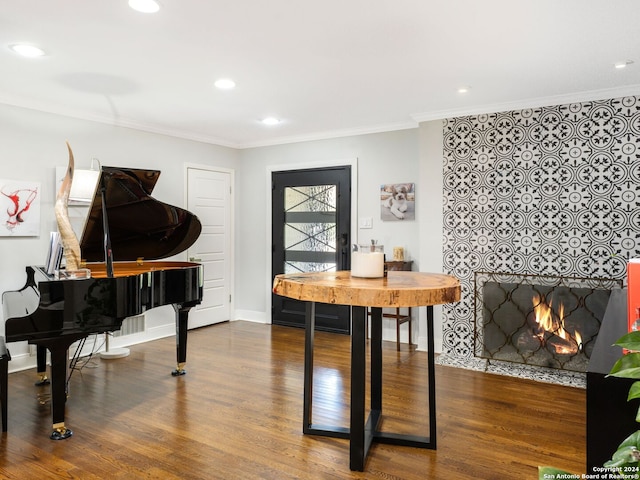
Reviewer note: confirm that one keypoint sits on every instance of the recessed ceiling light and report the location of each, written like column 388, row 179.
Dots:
column 145, row 6
column 464, row 89
column 26, row 50
column 225, row 84
column 624, row 64
column 270, row 121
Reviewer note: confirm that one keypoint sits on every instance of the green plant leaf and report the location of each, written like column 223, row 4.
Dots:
column 627, row 366
column 630, row 341
column 634, row 391
column 628, row 453
column 623, row 457
column 550, row 472
column 632, row 440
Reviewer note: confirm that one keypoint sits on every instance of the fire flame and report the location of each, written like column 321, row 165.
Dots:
column 551, row 327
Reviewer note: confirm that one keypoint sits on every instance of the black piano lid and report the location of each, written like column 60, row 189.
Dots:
column 139, row 225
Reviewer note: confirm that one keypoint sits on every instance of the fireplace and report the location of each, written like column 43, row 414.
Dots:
column 539, row 320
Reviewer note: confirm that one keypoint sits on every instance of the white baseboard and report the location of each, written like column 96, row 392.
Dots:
column 21, row 362
column 422, row 344
column 252, row 316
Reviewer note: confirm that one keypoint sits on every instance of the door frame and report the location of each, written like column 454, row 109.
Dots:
column 232, row 266
column 353, row 163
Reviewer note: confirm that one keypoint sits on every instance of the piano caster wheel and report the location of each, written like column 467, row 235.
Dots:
column 61, row 433
column 42, row 381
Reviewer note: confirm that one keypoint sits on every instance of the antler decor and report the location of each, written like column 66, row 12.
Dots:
column 67, row 235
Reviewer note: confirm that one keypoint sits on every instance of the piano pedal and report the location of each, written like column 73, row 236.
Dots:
column 44, row 398
column 179, row 370
column 60, row 432
column 42, row 380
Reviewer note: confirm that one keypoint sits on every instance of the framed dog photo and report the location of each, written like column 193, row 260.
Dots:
column 397, row 201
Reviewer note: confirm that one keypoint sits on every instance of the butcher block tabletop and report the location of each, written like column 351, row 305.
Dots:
column 397, row 289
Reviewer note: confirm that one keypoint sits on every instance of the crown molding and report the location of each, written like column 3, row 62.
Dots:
column 578, row 97
column 186, row 135
column 329, row 134
column 118, row 122
column 416, row 118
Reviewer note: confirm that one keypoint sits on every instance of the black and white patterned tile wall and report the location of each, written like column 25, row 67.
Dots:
column 552, row 191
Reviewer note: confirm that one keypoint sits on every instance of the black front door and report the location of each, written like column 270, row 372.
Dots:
column 311, row 225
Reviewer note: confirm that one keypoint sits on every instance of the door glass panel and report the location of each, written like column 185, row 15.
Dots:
column 310, row 229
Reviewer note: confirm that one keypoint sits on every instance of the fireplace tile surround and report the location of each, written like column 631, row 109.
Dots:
column 545, row 191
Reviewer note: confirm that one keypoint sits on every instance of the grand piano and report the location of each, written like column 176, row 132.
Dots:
column 126, row 234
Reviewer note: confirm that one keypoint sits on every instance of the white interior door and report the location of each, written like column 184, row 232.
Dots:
column 209, row 198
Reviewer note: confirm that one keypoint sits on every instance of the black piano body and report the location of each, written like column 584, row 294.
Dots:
column 53, row 313
column 47, row 308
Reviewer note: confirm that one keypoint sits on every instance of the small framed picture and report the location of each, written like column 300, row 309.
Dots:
column 397, row 201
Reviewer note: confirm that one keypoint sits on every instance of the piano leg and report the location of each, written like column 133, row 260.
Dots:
column 59, row 348
column 5, row 356
column 182, row 321
column 41, row 359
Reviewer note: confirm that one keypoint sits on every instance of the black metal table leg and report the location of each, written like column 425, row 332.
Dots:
column 431, row 368
column 376, row 359
column 310, row 321
column 308, row 427
column 362, row 433
column 419, row 441
column 357, row 446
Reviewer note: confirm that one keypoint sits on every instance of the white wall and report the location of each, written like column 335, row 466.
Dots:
column 391, row 157
column 32, row 144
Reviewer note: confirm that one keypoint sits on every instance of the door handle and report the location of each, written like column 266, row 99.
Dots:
column 344, row 243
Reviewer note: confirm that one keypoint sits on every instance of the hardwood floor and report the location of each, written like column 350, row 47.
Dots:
column 237, row 414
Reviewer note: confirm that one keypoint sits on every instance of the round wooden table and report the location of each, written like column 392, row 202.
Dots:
column 397, row 289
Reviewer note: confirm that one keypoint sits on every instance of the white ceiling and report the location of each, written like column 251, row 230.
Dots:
column 325, row 67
